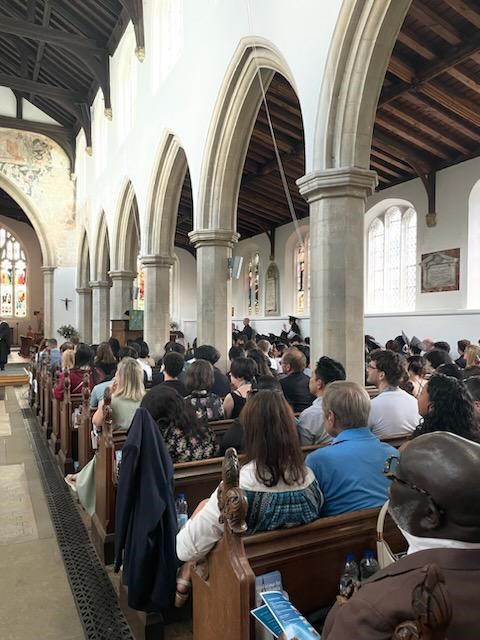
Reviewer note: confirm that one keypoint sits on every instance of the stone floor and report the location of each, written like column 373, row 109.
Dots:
column 36, row 599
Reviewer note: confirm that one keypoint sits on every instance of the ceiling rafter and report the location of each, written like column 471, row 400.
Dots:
column 467, row 10
column 434, row 21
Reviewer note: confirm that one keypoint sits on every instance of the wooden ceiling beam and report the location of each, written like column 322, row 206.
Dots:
column 381, row 167
column 397, row 130
column 47, row 11
column 399, row 149
column 409, row 40
column 435, row 22
column 271, row 165
column 467, row 109
column 38, row 88
column 467, row 9
column 394, row 162
column 69, row 41
column 425, row 128
column 466, row 78
column 135, row 12
column 401, row 69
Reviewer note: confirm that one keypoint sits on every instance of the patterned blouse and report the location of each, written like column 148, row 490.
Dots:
column 184, row 447
column 206, row 405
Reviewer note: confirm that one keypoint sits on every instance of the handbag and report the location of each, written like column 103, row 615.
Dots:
column 385, row 555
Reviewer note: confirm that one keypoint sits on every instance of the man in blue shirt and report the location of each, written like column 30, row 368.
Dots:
column 350, row 470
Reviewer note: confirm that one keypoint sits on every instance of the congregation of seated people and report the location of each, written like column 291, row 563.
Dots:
column 278, row 402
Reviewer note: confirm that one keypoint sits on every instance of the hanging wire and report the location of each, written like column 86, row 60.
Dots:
column 281, row 169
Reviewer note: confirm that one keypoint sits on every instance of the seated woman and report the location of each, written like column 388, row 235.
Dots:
column 187, row 438
column 105, row 360
column 472, row 358
column 83, row 365
column 199, row 379
column 127, row 393
column 417, row 371
column 68, row 359
column 446, row 405
column 145, row 360
column 242, row 374
column 281, row 491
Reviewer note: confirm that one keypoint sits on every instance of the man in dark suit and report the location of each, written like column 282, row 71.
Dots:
column 435, row 501
column 295, row 384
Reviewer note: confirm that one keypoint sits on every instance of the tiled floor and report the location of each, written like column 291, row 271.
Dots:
column 36, row 599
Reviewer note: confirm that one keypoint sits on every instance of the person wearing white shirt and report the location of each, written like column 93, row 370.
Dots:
column 393, row 411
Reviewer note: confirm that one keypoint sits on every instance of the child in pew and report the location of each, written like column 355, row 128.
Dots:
column 127, row 392
column 186, row 436
column 281, row 491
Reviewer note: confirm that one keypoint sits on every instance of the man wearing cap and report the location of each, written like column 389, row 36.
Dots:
column 435, row 501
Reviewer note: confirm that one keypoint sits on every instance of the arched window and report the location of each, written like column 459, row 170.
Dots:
column 139, row 287
column 302, row 276
column 13, row 276
column 392, row 261
column 254, row 284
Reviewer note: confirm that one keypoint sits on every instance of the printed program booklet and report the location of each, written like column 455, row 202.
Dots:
column 280, row 617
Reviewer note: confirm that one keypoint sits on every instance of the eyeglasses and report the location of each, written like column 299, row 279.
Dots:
column 390, row 471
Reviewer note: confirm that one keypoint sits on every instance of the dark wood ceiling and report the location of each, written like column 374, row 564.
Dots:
column 10, row 208
column 55, row 53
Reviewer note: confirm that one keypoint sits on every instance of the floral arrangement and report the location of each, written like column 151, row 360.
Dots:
column 68, row 332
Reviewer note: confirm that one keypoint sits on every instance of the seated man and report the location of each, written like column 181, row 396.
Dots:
column 350, row 471
column 435, row 500
column 393, row 411
column 172, row 368
column 310, row 422
column 295, row 382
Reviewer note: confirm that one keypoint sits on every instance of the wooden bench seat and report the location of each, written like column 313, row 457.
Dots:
column 310, row 559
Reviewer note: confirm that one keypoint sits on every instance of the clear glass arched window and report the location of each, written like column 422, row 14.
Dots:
column 254, row 284
column 392, row 261
column 13, row 276
column 302, row 276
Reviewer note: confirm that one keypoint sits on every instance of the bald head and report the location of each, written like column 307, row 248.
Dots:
column 445, row 499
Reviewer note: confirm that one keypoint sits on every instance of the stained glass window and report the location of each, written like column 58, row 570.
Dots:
column 13, row 276
column 391, row 261
column 139, row 287
column 254, row 284
column 302, row 276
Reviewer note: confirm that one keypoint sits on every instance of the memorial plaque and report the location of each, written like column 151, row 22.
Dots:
column 441, row 271
column 272, row 282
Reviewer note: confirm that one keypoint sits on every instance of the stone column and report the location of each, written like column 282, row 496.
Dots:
column 49, row 331
column 85, row 313
column 100, row 311
column 214, row 288
column 121, row 293
column 156, row 318
column 337, row 206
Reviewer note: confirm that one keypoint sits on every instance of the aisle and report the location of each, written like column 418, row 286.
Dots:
column 36, row 598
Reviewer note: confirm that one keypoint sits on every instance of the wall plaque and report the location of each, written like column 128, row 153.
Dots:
column 272, row 288
column 441, row 271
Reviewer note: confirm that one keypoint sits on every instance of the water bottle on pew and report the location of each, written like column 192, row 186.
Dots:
column 182, row 511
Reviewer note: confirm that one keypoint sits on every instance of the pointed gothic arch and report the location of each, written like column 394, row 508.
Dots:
column 100, row 265
column 164, row 197
column 84, row 270
column 126, row 234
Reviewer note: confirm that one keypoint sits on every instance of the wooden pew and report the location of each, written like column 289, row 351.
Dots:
column 310, row 559
column 85, row 450
column 47, row 401
column 43, row 370
column 54, row 440
column 68, row 451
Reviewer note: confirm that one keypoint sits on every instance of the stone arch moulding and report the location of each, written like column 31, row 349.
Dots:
column 84, row 262
column 100, row 265
column 164, row 197
column 127, row 228
column 362, row 43
column 231, row 127
column 48, row 254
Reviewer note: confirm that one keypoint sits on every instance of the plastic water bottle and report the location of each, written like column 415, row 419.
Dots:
column 182, row 511
column 368, row 565
column 349, row 575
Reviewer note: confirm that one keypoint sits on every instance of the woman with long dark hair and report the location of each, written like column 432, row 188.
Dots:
column 187, row 437
column 83, row 364
column 446, row 405
column 281, row 491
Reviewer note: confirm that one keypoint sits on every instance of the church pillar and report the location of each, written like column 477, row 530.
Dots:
column 214, row 288
column 120, row 293
column 337, row 206
column 100, row 311
column 48, row 302
column 85, row 313
column 156, row 317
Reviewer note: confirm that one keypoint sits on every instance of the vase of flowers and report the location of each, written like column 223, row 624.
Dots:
column 68, row 332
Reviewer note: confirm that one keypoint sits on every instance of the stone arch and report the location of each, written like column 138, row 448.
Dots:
column 164, row 198
column 126, row 239
column 361, row 47
column 100, row 265
column 84, row 270
column 48, row 253
column 230, row 130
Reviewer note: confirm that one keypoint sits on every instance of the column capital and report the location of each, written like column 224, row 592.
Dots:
column 337, row 183
column 99, row 284
column 83, row 290
column 47, row 270
column 213, row 237
column 154, row 260
column 121, row 275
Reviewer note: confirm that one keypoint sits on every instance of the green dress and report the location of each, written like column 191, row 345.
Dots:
column 123, row 411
